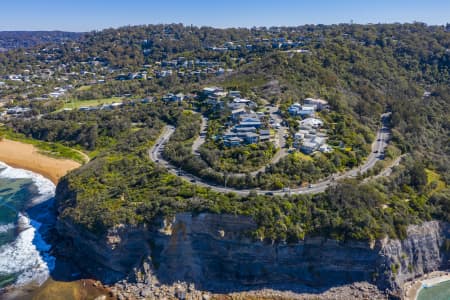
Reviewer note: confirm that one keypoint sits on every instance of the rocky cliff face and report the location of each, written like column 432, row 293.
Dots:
column 215, row 253
column 425, row 250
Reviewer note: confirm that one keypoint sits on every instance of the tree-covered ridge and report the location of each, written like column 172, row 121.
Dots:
column 124, row 187
column 361, row 71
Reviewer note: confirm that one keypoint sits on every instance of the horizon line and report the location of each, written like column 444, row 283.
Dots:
column 230, row 27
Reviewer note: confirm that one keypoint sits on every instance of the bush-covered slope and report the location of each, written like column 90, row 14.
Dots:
column 361, row 70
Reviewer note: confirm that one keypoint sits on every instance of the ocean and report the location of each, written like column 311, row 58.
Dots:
column 439, row 291
column 24, row 255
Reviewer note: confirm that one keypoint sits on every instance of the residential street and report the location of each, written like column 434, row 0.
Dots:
column 378, row 147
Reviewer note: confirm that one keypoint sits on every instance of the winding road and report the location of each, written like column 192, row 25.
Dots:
column 378, row 146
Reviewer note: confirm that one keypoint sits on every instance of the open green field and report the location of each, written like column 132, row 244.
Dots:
column 74, row 104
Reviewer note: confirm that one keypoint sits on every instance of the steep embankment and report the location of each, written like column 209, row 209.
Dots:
column 216, row 253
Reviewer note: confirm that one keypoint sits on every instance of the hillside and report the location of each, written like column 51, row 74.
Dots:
column 25, row 39
column 361, row 70
column 181, row 185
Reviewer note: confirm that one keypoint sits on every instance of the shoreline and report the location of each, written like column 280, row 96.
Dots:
column 412, row 288
column 26, row 156
column 19, row 155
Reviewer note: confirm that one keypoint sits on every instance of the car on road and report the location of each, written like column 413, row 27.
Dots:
column 157, row 160
column 379, row 140
column 193, row 180
column 376, row 151
column 269, row 193
column 310, row 185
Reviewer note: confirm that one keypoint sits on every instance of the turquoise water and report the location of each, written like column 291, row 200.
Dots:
column 14, row 195
column 440, row 291
column 24, row 256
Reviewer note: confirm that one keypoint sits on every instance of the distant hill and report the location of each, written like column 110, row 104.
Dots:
column 25, row 39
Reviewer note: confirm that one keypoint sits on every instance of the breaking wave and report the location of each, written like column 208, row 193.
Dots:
column 28, row 255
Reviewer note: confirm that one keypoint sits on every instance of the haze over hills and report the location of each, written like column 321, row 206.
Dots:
column 25, row 39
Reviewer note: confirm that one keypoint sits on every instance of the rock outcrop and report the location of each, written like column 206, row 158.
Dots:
column 216, row 253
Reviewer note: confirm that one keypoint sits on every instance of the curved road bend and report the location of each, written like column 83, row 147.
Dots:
column 378, row 147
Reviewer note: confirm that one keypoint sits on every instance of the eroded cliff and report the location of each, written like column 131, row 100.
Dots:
column 216, row 253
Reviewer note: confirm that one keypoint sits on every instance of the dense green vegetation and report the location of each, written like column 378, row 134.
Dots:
column 94, row 130
column 48, row 148
column 361, row 70
column 241, row 159
column 129, row 188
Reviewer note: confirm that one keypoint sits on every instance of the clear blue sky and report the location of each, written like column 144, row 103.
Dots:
column 86, row 15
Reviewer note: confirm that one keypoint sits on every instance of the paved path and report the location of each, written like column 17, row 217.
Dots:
column 200, row 140
column 85, row 156
column 378, row 146
column 387, row 171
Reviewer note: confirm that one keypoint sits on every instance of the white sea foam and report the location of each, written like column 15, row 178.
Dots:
column 28, row 256
column 6, row 227
column 45, row 186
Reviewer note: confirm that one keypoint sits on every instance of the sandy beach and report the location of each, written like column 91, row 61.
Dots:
column 26, row 156
column 413, row 288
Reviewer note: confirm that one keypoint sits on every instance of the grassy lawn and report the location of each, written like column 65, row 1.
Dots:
column 84, row 88
column 300, row 156
column 94, row 102
column 50, row 149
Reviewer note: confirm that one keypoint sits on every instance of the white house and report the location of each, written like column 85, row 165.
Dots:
column 325, row 148
column 311, row 122
column 211, row 90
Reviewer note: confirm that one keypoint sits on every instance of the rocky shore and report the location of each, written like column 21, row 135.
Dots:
column 183, row 290
column 207, row 256
column 412, row 288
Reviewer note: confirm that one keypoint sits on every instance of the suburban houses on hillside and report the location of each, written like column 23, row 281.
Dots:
column 309, row 138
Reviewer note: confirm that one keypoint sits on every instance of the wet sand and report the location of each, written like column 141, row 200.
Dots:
column 413, row 288
column 26, row 156
column 71, row 290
